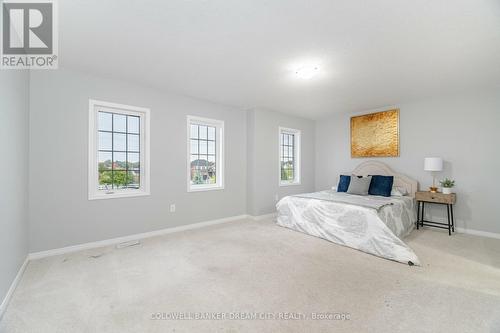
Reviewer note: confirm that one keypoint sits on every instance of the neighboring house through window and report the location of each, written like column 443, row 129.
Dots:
column 289, row 156
column 205, row 154
column 118, row 150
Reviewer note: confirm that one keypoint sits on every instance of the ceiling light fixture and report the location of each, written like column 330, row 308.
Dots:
column 307, row 72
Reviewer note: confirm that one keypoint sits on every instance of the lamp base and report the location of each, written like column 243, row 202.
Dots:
column 433, row 189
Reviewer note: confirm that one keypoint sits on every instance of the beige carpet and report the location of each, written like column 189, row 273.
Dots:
column 266, row 273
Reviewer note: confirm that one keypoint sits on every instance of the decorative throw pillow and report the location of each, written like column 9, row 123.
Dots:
column 359, row 186
column 398, row 191
column 343, row 183
column 381, row 185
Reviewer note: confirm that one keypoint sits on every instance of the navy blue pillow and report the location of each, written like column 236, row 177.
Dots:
column 343, row 183
column 381, row 185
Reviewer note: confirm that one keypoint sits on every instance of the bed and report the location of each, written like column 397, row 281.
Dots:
column 372, row 224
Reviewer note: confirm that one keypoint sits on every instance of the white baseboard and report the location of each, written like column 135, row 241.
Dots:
column 13, row 286
column 262, row 217
column 478, row 233
column 113, row 241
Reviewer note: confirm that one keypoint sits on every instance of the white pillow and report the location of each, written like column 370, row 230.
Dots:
column 398, row 191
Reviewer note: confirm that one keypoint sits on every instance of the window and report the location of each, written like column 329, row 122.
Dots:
column 118, row 150
column 205, row 154
column 289, row 140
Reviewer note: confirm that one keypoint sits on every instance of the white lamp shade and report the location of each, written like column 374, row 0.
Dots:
column 433, row 164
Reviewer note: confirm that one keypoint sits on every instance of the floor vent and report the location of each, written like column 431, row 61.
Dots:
column 128, row 244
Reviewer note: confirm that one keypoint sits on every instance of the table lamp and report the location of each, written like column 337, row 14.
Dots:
column 433, row 164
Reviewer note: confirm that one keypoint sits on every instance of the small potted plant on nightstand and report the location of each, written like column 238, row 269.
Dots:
column 447, row 185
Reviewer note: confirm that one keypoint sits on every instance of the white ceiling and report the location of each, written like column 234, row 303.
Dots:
column 243, row 52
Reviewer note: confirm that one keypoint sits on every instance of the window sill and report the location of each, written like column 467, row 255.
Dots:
column 118, row 195
column 289, row 184
column 203, row 189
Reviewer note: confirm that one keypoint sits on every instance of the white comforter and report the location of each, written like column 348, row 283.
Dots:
column 374, row 225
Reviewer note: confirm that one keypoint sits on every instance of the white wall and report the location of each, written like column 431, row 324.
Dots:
column 61, row 215
column 14, row 115
column 463, row 129
column 263, row 159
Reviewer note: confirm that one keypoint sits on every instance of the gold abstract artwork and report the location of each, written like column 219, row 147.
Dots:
column 375, row 134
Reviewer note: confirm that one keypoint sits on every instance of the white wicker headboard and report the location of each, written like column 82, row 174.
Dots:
column 379, row 168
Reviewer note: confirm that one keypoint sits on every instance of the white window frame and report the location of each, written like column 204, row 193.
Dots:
column 219, row 153
column 297, row 151
column 93, row 168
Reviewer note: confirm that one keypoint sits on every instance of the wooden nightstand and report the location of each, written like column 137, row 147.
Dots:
column 436, row 198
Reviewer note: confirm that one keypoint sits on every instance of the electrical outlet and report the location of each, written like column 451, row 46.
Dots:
column 172, row 208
